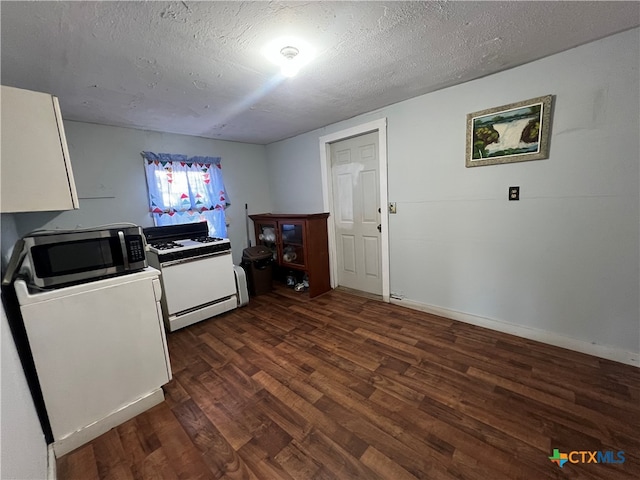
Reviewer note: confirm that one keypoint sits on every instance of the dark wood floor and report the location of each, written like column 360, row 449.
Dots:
column 347, row 387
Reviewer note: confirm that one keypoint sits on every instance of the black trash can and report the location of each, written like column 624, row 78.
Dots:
column 258, row 263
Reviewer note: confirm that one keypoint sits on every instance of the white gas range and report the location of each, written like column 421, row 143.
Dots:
column 197, row 273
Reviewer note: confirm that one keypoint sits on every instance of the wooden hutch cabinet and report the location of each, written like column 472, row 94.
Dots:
column 299, row 242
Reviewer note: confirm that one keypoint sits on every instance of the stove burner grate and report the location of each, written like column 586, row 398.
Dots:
column 206, row 239
column 165, row 245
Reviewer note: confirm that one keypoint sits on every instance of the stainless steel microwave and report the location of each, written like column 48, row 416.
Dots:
column 62, row 258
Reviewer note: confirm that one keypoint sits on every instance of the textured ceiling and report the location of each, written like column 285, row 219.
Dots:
column 196, row 68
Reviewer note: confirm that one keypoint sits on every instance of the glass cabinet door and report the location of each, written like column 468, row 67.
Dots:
column 267, row 236
column 291, row 234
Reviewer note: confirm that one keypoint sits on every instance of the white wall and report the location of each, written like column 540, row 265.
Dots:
column 295, row 175
column 565, row 258
column 110, row 178
column 24, row 450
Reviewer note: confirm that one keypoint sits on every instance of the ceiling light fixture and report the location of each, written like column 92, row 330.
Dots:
column 290, row 54
column 289, row 66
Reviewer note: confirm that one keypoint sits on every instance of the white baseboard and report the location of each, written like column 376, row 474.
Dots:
column 602, row 351
column 52, row 471
column 80, row 437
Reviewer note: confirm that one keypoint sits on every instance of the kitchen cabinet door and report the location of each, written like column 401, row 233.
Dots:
column 100, row 353
column 293, row 242
column 36, row 170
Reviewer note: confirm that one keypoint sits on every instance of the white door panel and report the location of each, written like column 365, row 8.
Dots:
column 345, row 194
column 369, row 182
column 343, row 156
column 349, row 253
column 368, row 152
column 371, row 263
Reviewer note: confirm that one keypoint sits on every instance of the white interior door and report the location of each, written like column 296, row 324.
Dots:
column 356, row 201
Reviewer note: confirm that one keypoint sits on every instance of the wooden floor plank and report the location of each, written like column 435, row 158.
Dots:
column 81, row 464
column 343, row 386
column 298, row 463
column 383, row 466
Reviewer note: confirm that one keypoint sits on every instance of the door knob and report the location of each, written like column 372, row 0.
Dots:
column 380, row 228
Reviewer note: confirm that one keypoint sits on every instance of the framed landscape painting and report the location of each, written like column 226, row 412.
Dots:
column 517, row 132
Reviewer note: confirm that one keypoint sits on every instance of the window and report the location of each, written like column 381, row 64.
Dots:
column 186, row 190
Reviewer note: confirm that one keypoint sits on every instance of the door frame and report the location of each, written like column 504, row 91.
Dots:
column 379, row 126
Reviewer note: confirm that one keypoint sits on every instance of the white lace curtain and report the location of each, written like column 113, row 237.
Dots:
column 186, row 190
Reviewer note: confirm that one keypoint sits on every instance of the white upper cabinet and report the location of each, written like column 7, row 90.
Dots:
column 35, row 170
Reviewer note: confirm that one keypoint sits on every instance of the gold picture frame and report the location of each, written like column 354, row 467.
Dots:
column 523, row 133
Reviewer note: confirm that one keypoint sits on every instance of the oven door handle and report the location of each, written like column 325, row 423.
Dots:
column 123, row 247
column 193, row 259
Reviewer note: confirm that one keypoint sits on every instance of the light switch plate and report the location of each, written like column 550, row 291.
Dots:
column 392, row 207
